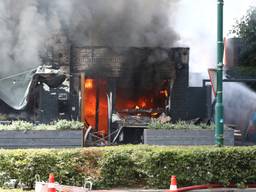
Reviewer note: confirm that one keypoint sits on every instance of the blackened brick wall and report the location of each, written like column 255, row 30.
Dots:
column 187, row 102
column 179, row 95
column 197, row 104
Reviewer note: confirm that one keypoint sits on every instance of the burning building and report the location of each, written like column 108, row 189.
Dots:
column 125, row 87
column 114, row 88
column 137, row 73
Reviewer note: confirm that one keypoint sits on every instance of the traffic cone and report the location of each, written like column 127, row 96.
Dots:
column 173, row 184
column 51, row 185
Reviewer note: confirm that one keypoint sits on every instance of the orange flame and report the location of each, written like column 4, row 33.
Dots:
column 143, row 104
column 164, row 92
column 88, row 84
column 90, row 104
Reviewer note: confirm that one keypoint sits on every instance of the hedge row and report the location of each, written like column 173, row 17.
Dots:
column 157, row 124
column 140, row 166
column 55, row 125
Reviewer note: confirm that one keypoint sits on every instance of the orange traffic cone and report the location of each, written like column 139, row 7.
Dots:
column 173, row 184
column 51, row 185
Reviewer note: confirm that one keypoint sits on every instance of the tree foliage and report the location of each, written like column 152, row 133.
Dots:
column 245, row 28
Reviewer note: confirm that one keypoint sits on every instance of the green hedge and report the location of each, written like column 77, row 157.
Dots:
column 55, row 125
column 136, row 166
column 69, row 166
column 156, row 124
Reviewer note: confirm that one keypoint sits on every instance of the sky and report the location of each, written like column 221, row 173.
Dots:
column 236, row 10
column 197, row 26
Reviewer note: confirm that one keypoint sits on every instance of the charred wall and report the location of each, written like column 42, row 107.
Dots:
column 134, row 69
column 188, row 102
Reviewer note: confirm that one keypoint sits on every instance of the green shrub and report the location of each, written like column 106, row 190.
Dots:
column 65, row 124
column 67, row 165
column 17, row 125
column 56, row 125
column 155, row 124
column 136, row 166
column 118, row 168
column 3, row 117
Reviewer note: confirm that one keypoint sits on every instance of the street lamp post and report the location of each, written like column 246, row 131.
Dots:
column 219, row 120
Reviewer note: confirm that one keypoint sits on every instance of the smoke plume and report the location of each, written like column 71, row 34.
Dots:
column 23, row 31
column 196, row 22
column 28, row 25
column 120, row 23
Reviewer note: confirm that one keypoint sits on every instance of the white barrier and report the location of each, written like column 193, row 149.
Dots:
column 41, row 186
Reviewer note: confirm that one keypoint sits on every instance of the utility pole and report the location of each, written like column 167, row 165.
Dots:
column 219, row 120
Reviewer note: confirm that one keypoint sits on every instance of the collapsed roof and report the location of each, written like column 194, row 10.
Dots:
column 15, row 89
